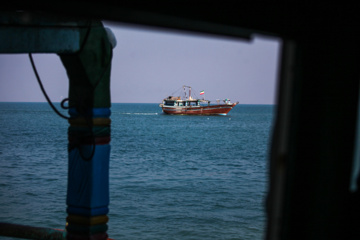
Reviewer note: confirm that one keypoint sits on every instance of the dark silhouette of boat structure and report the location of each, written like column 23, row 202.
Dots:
column 194, row 106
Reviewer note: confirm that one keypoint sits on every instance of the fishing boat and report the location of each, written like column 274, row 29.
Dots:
column 194, row 106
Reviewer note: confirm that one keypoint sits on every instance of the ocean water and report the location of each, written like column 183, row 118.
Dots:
column 171, row 177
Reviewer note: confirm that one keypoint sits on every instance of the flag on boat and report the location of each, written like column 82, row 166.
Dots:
column 202, row 92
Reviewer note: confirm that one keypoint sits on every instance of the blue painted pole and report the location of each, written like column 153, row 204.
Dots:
column 89, row 135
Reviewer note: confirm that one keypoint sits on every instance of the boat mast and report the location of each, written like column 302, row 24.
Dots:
column 189, row 91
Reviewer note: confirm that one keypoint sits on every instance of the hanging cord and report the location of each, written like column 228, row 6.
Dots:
column 89, row 123
column 61, row 115
column 195, row 95
column 172, row 94
column 44, row 92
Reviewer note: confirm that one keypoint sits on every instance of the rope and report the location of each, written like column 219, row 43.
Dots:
column 44, row 92
column 176, row 91
column 66, row 99
column 58, row 113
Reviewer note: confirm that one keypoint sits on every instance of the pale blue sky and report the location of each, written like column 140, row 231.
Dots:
column 149, row 65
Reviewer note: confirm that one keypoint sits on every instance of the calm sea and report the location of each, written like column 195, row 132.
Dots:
column 171, row 177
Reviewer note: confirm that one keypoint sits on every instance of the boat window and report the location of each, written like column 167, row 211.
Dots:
column 169, row 103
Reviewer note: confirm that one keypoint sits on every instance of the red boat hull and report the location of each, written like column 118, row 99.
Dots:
column 222, row 109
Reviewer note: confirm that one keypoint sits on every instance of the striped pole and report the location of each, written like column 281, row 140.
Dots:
column 88, row 176
column 89, row 135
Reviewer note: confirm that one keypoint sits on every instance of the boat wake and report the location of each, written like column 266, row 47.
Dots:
column 142, row 114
